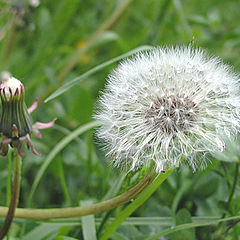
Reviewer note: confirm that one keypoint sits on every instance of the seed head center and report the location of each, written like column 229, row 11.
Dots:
column 172, row 113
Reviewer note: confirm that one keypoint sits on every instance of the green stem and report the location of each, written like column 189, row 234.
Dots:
column 14, row 197
column 232, row 189
column 135, row 204
column 234, row 185
column 41, row 214
column 9, row 179
column 103, row 222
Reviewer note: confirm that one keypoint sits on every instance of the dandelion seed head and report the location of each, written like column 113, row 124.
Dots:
column 167, row 105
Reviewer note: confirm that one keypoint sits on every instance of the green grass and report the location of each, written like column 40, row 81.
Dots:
column 63, row 51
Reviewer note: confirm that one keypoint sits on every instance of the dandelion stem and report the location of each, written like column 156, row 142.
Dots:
column 40, row 214
column 134, row 205
column 15, row 196
column 9, row 179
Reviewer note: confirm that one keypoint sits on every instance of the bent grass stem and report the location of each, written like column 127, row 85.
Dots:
column 40, row 214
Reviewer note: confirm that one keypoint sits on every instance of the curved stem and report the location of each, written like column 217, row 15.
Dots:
column 14, row 197
column 40, row 214
column 122, row 216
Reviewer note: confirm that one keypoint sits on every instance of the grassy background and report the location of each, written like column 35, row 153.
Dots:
column 59, row 40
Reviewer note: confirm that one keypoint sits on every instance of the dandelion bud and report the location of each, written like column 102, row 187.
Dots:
column 15, row 120
column 16, row 123
column 34, row 3
column 169, row 106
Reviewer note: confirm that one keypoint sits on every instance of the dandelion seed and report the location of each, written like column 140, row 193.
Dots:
column 169, row 105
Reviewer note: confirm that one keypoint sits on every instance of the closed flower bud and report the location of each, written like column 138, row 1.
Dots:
column 16, row 125
column 15, row 120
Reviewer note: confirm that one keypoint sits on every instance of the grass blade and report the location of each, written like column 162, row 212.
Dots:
column 134, row 205
column 41, row 232
column 63, row 143
column 191, row 225
column 99, row 67
column 88, row 224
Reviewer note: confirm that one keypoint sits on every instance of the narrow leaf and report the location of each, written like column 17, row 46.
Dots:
column 88, row 224
column 60, row 146
column 134, row 205
column 190, row 225
column 99, row 67
column 41, row 232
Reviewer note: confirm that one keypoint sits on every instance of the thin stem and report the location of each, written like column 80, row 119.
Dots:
column 223, row 228
column 63, row 182
column 9, row 179
column 232, row 189
column 41, row 214
column 234, row 185
column 103, row 222
column 14, row 197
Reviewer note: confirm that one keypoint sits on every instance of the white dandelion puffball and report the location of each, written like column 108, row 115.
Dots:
column 168, row 105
